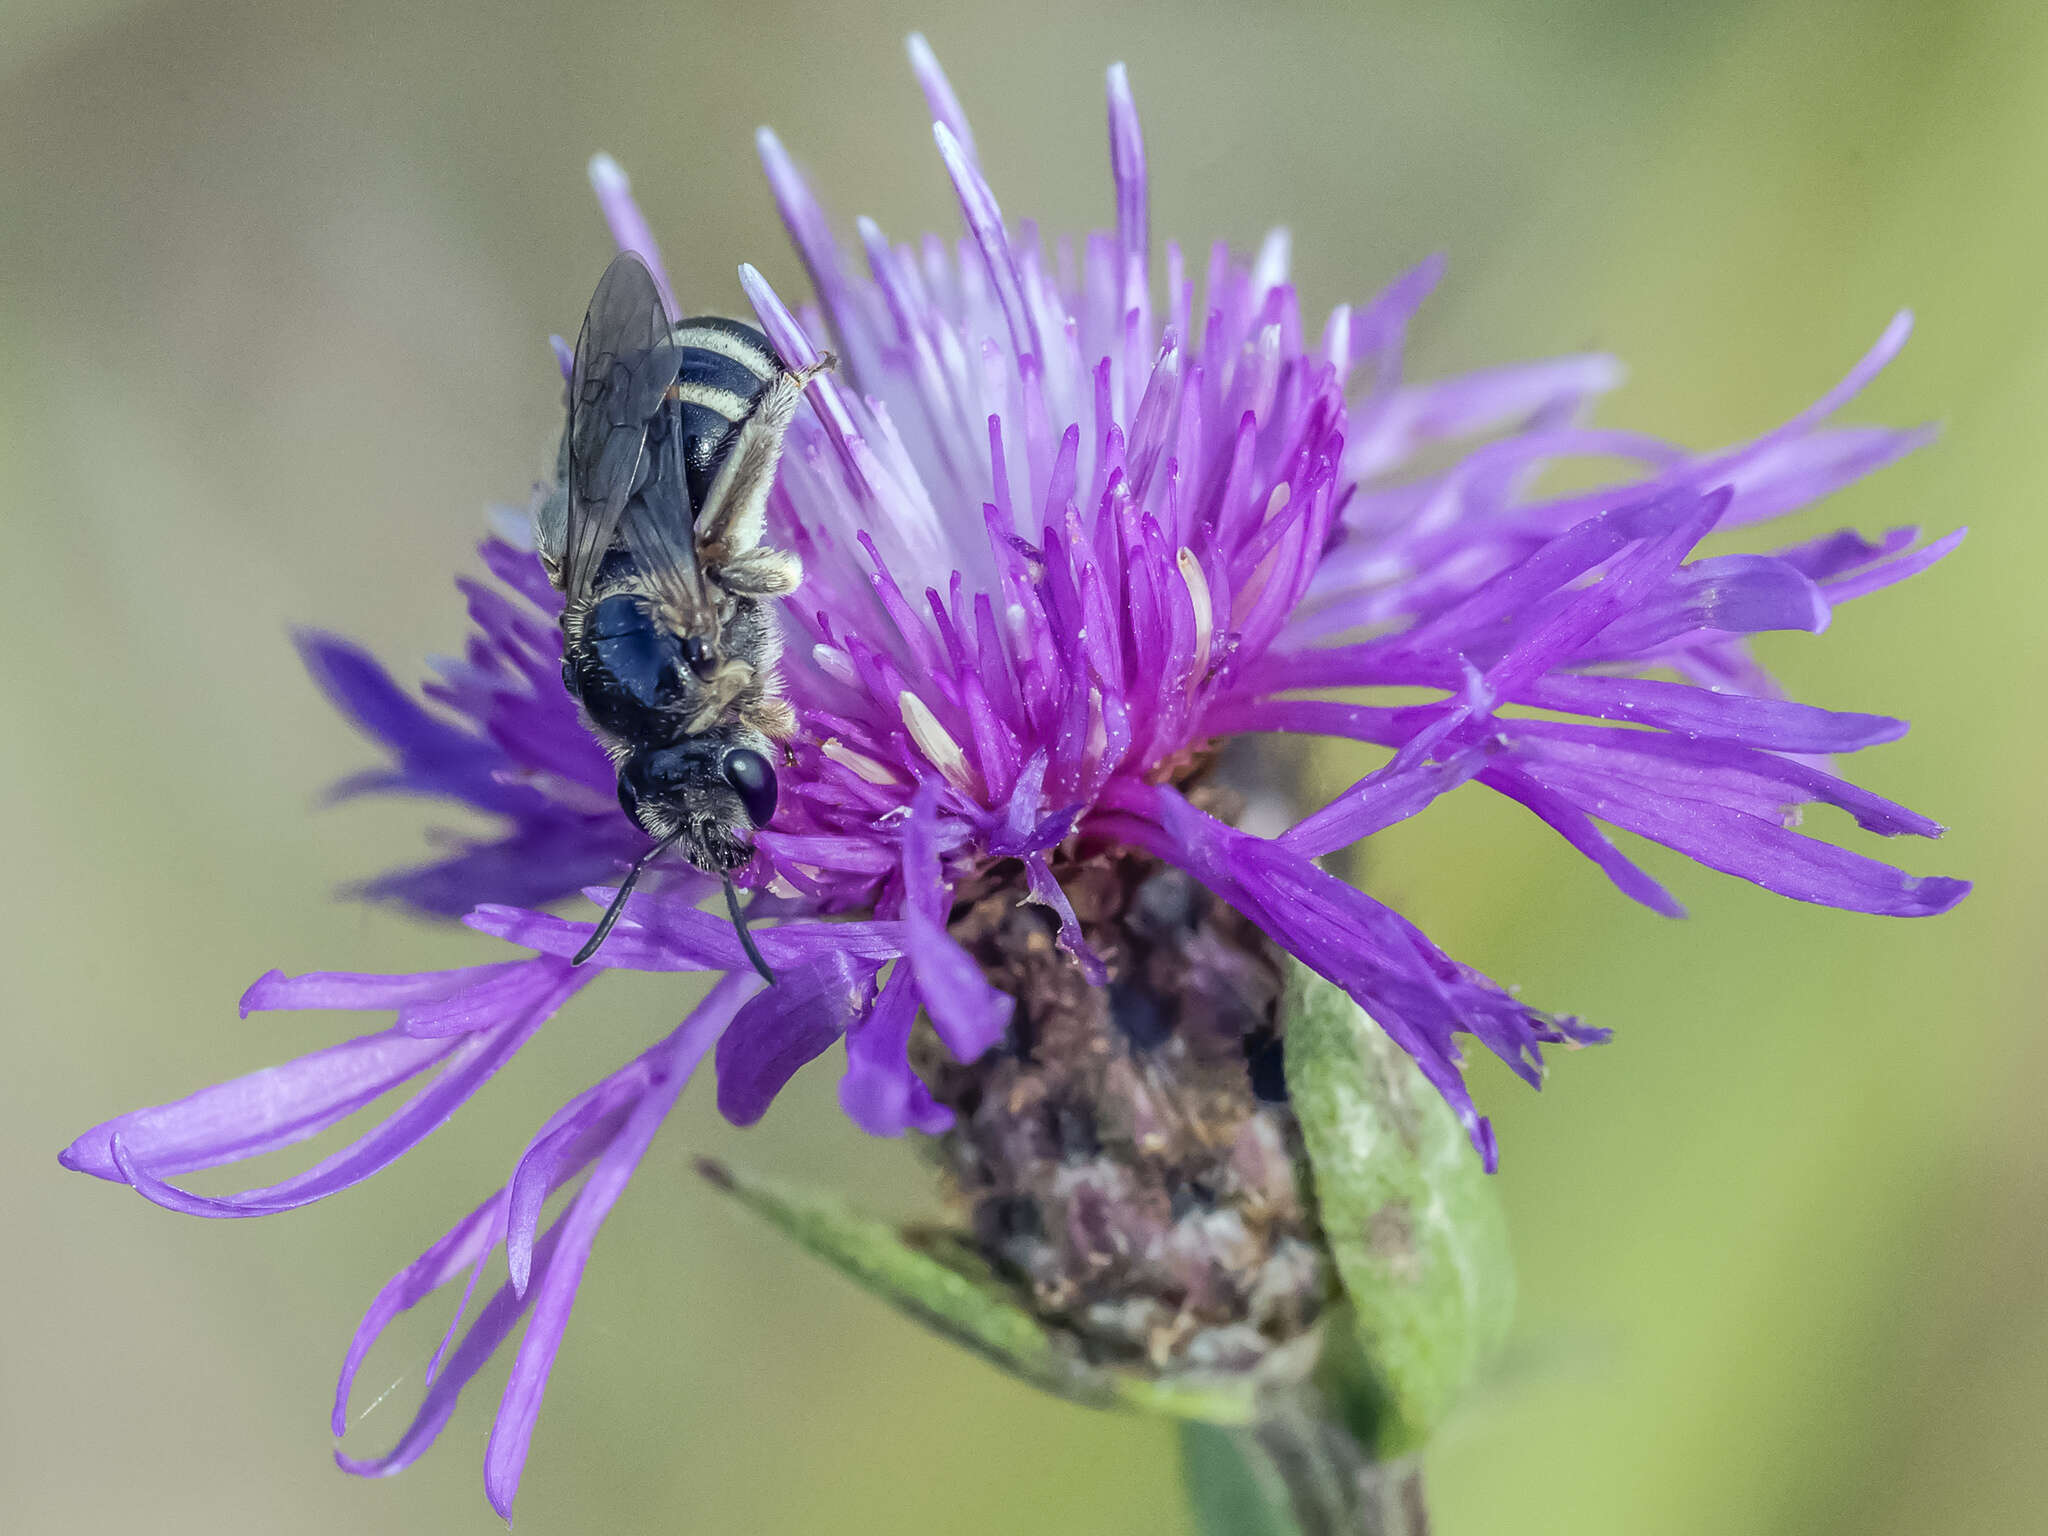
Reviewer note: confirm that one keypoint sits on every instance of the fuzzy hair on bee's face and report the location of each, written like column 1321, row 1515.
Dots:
column 682, row 791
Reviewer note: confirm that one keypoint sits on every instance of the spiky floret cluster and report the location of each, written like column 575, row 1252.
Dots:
column 1063, row 531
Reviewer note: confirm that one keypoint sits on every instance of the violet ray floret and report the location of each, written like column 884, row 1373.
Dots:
column 1063, row 532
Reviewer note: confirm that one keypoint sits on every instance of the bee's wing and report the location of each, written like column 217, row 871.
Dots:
column 624, row 366
column 656, row 531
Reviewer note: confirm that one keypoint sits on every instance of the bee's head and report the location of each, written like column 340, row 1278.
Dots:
column 716, row 790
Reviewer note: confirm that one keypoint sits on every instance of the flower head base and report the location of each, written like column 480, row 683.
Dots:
column 1064, row 531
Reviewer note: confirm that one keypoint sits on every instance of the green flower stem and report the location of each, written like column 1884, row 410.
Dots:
column 1298, row 1472
column 1333, row 1486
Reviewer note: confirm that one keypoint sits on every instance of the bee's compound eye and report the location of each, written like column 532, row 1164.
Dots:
column 747, row 771
column 699, row 656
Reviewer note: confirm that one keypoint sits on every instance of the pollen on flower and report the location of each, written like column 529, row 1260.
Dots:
column 834, row 664
column 860, row 762
column 937, row 743
column 1197, row 584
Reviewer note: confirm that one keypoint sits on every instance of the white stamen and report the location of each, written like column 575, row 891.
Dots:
column 1339, row 336
column 835, row 664
column 1098, row 734
column 1205, row 614
column 1020, row 625
column 1276, row 255
column 860, row 763
column 932, row 739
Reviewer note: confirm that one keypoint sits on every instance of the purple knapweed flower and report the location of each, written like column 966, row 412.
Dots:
column 1063, row 530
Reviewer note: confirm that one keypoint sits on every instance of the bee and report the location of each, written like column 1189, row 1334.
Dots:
column 652, row 534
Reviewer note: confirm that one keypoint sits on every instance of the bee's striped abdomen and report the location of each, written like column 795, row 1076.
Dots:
column 726, row 365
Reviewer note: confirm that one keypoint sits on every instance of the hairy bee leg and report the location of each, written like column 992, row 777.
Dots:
column 770, row 714
column 551, row 530
column 736, row 505
column 761, row 572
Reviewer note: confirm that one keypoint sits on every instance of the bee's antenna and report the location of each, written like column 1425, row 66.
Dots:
column 611, row 913
column 739, row 923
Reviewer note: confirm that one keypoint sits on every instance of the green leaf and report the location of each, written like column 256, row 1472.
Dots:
column 936, row 1293
column 934, row 1278
column 1409, row 1215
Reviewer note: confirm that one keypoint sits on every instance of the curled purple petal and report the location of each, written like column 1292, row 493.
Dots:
column 467, row 1064
column 552, row 1289
column 456, row 1250
column 782, row 1029
column 494, row 1324
column 262, row 1112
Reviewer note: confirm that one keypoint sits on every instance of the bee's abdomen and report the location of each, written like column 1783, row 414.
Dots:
column 725, row 367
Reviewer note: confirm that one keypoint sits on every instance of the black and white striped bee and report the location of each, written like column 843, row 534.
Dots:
column 653, row 536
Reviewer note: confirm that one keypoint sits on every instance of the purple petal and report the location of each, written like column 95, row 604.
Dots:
column 1738, row 594
column 1589, row 611
column 938, row 92
column 1890, row 572
column 556, row 1277
column 574, row 1135
column 1777, row 724
column 434, row 757
column 1045, row 889
column 1416, row 993
column 985, row 222
column 968, row 1014
column 1127, row 166
column 520, row 569
column 484, row 1004
column 785, row 1027
column 500, row 1315
column 1576, row 828
column 1404, row 787
column 628, row 224
column 247, row 1116
column 1845, row 551
column 658, row 933
column 1477, row 402
column 1750, row 846
column 359, row 992
column 550, row 855
column 573, row 1138
column 458, row 1249
column 1683, row 769
column 880, row 1093
column 471, row 1062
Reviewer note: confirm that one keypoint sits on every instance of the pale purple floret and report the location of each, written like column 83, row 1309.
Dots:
column 1062, row 528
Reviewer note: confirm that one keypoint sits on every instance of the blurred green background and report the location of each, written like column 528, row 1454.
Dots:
column 275, row 283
